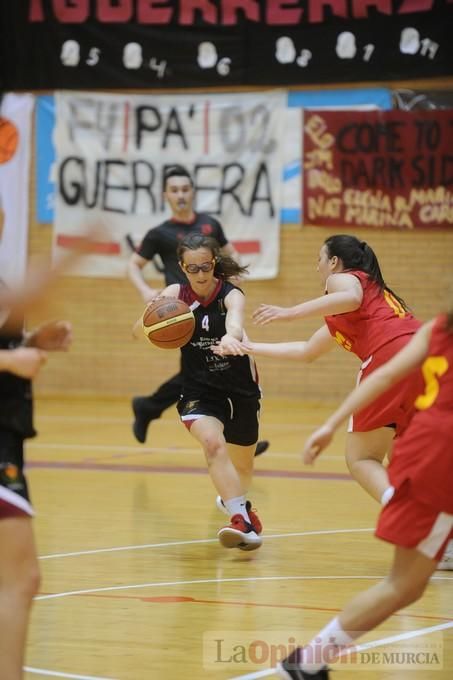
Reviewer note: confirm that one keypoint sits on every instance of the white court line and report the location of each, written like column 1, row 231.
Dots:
column 360, row 648
column 195, row 542
column 237, row 579
column 56, row 674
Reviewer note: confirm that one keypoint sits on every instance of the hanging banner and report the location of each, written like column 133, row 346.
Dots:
column 114, row 44
column 45, row 158
column 15, row 144
column 383, row 169
column 363, row 99
column 113, row 150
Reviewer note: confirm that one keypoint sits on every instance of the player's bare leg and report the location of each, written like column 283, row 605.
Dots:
column 365, row 453
column 19, row 582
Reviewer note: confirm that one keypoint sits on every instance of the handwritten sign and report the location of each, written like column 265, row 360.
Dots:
column 391, row 169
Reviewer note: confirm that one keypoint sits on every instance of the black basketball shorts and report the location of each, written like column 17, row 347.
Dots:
column 14, row 498
column 239, row 415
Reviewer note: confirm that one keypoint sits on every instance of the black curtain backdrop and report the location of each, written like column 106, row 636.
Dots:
column 114, row 44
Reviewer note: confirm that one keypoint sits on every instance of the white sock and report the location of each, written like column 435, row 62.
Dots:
column 236, row 506
column 321, row 650
column 387, row 495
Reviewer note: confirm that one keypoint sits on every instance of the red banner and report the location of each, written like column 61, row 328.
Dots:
column 383, row 169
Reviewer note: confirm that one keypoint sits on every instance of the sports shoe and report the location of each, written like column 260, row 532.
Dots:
column 142, row 418
column 446, row 562
column 254, row 519
column 261, row 447
column 221, row 505
column 239, row 534
column 289, row 669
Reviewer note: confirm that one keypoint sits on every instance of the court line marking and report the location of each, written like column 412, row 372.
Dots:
column 165, row 599
column 58, row 674
column 238, row 579
column 360, row 648
column 109, row 420
column 179, row 469
column 156, row 449
column 161, row 584
column 170, row 544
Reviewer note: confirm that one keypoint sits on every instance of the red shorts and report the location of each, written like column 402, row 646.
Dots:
column 395, row 406
column 407, row 522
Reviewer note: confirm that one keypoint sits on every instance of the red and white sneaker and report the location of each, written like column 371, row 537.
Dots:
column 254, row 519
column 239, row 534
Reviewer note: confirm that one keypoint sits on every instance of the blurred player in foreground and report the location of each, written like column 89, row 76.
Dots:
column 418, row 518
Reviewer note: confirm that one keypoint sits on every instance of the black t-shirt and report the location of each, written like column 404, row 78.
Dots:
column 164, row 239
column 206, row 374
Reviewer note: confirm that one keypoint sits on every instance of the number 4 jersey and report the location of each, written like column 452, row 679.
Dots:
column 206, row 373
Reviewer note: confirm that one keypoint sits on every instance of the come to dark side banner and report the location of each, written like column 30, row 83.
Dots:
column 382, row 169
column 92, row 44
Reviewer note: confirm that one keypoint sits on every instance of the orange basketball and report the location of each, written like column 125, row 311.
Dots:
column 168, row 323
column 9, row 138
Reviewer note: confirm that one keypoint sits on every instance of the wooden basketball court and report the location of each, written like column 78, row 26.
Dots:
column 135, row 585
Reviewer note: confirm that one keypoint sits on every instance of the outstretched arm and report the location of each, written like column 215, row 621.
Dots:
column 407, row 359
column 344, row 294
column 231, row 342
column 320, row 342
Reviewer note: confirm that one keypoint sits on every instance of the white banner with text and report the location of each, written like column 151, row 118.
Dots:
column 112, row 152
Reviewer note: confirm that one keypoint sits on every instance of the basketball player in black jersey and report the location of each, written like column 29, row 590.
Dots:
column 163, row 241
column 21, row 357
column 220, row 396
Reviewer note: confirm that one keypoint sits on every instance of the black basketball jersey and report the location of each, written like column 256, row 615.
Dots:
column 16, row 403
column 206, row 374
column 164, row 239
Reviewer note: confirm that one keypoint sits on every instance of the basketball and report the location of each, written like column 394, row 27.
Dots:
column 168, row 323
column 9, row 138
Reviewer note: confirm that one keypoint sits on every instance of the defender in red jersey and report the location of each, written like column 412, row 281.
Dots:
column 364, row 316
column 418, row 519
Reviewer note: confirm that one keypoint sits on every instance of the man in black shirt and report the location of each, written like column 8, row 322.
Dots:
column 163, row 241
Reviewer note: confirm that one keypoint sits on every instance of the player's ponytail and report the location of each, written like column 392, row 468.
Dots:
column 356, row 254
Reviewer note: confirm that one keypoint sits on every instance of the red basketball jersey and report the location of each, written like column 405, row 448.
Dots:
column 424, row 454
column 379, row 319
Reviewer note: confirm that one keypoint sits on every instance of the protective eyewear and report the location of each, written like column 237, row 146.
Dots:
column 195, row 268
